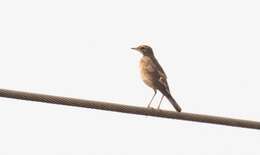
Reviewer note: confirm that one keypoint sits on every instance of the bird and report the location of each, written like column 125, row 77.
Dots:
column 154, row 76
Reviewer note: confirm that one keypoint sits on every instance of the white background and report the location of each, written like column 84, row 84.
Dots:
column 208, row 49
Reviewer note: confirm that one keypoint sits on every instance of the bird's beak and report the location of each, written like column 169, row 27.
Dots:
column 134, row 48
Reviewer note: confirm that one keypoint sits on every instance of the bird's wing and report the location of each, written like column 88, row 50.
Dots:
column 159, row 69
column 162, row 76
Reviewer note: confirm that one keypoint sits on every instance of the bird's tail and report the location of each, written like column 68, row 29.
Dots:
column 174, row 103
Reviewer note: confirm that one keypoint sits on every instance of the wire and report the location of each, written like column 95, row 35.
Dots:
column 128, row 109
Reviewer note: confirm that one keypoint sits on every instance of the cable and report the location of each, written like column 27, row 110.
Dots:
column 128, row 109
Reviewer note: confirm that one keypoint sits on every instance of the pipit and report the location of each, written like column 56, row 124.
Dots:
column 153, row 75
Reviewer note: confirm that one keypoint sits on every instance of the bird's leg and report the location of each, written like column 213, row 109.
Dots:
column 152, row 98
column 160, row 102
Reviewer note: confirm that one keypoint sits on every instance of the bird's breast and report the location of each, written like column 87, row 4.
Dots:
column 147, row 65
column 147, row 70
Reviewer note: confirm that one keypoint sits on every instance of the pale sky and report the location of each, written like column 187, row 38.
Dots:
column 209, row 50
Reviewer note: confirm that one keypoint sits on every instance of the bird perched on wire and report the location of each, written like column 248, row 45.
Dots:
column 154, row 76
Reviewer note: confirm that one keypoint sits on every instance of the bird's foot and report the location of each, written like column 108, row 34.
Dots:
column 150, row 107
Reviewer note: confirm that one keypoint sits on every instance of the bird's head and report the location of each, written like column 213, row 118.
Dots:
column 144, row 49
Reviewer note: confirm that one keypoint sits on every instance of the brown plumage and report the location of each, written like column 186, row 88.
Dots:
column 154, row 76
